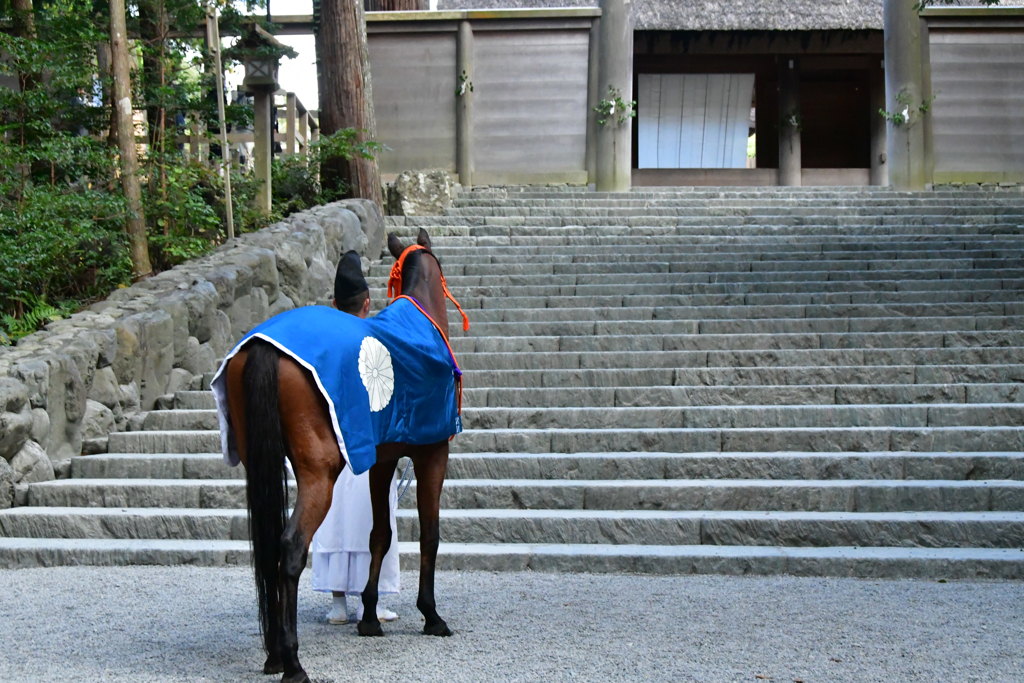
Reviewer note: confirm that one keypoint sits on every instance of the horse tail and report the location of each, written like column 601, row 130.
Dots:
column 266, row 491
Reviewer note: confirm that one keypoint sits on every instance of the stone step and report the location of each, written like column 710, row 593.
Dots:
column 814, row 224
column 741, row 281
column 670, row 440
column 658, row 330
column 871, row 495
column 811, row 358
column 865, row 495
column 642, row 378
column 462, row 248
column 154, row 466
column 799, row 394
column 879, row 267
column 613, row 466
column 864, row 562
column 631, row 386
column 808, row 394
column 617, row 304
column 619, row 309
column 758, row 528
column 619, row 527
column 929, row 227
column 699, row 204
column 739, row 341
column 566, row 242
column 693, row 440
column 675, row 415
column 687, row 251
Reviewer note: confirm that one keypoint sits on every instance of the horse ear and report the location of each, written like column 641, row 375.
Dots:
column 423, row 239
column 395, row 245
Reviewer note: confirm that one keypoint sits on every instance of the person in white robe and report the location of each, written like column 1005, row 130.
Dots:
column 341, row 546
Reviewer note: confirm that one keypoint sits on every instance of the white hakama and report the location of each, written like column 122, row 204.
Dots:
column 341, row 546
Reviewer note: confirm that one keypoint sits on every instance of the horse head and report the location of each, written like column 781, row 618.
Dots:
column 421, row 279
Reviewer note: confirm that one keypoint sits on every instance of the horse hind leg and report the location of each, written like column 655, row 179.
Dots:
column 381, row 476
column 316, row 461
column 431, row 466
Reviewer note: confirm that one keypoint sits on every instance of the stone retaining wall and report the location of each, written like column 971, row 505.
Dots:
column 64, row 389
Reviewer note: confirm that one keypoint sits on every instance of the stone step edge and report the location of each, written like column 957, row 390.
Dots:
column 690, row 430
column 639, row 455
column 864, row 562
column 577, row 483
column 562, row 514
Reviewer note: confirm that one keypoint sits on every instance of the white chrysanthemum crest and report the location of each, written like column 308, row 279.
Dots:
column 376, row 372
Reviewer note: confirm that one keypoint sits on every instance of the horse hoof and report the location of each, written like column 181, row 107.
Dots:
column 367, row 628
column 297, row 677
column 273, row 666
column 438, row 629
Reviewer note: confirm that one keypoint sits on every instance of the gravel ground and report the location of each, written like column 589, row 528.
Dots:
column 199, row 624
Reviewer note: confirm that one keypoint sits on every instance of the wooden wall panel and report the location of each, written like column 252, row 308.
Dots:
column 414, row 99
column 978, row 83
column 530, row 102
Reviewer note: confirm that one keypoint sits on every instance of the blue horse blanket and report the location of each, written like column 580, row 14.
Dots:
column 386, row 379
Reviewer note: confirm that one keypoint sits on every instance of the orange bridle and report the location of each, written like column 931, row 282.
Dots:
column 395, row 281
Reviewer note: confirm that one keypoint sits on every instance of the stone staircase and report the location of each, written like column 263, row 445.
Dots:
column 815, row 381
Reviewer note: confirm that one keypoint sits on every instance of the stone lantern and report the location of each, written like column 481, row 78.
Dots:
column 261, row 53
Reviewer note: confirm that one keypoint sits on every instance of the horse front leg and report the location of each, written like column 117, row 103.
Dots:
column 381, row 477
column 431, row 467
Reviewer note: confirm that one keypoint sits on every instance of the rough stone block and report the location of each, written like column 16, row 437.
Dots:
column 420, row 193
column 98, row 422
column 372, row 223
column 6, row 484
column 199, row 358
column 31, row 464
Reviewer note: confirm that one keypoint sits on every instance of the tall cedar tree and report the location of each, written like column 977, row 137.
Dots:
column 125, row 135
column 345, row 92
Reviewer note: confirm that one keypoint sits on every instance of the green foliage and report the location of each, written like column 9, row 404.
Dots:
column 907, row 111
column 61, row 238
column 182, row 209
column 614, row 109
column 37, row 312
column 62, row 212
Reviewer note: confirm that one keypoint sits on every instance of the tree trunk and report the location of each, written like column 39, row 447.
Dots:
column 395, row 5
column 23, row 24
column 125, row 134
column 153, row 30
column 346, row 97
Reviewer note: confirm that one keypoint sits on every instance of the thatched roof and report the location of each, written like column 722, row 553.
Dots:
column 717, row 15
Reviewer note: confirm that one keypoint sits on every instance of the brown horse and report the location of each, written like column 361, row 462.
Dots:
column 277, row 411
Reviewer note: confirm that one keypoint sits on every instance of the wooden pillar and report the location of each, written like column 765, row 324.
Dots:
column 879, row 174
column 904, row 94
column 263, row 133
column 304, row 132
column 927, row 97
column 790, row 169
column 615, row 65
column 593, row 95
column 290, row 117
column 464, row 104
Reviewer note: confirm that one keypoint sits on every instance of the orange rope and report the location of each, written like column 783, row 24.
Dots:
column 458, row 378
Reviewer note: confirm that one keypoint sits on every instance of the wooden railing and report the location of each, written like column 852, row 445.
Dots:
column 296, row 131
